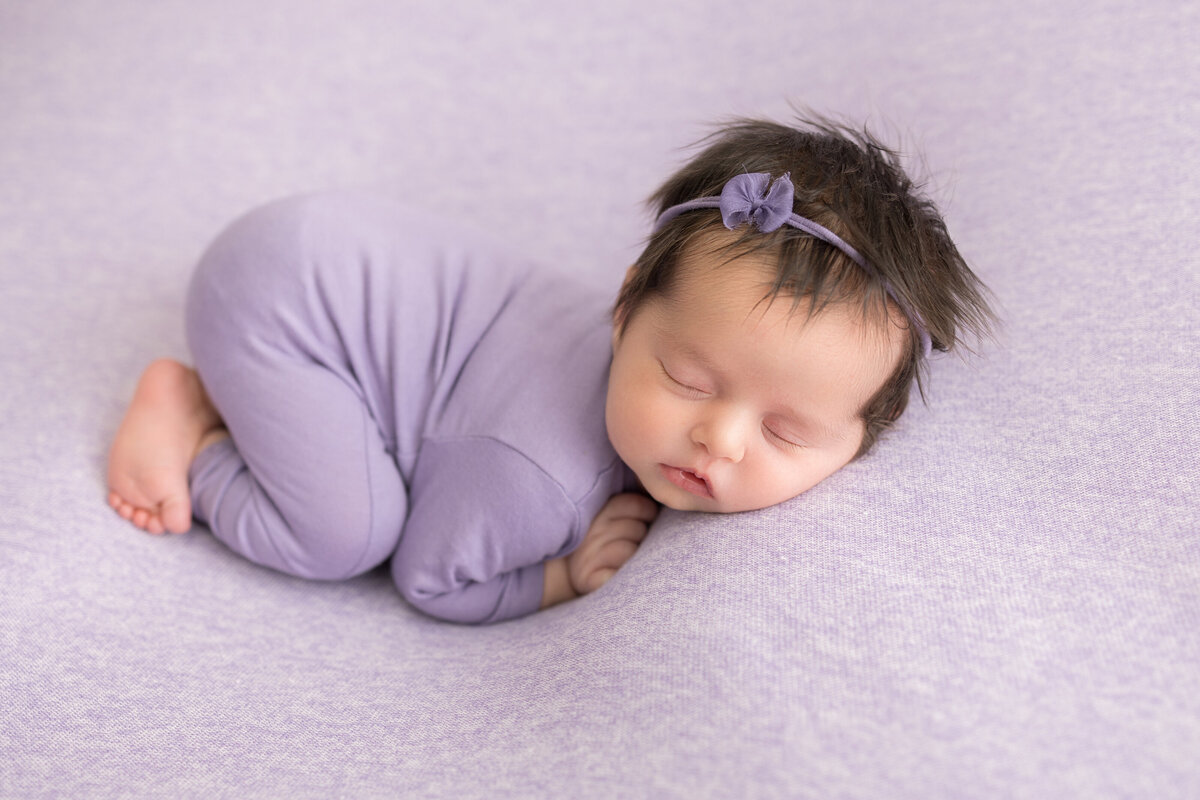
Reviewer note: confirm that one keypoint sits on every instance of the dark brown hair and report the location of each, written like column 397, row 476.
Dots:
column 847, row 181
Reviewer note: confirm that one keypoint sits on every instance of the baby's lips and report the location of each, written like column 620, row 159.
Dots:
column 687, row 480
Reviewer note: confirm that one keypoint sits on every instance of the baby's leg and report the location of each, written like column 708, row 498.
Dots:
column 168, row 421
column 305, row 484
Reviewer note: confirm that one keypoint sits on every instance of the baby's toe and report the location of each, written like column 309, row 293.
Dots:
column 177, row 514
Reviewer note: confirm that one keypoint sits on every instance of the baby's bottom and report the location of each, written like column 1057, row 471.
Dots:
column 305, row 484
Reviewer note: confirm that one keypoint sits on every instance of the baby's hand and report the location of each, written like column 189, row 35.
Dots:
column 611, row 540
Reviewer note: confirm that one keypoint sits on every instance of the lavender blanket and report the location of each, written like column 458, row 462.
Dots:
column 1003, row 600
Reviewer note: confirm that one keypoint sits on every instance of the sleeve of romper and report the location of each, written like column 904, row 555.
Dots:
column 483, row 519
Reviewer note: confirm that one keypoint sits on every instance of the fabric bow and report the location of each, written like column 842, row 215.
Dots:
column 746, row 198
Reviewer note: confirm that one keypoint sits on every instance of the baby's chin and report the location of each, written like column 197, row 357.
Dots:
column 672, row 498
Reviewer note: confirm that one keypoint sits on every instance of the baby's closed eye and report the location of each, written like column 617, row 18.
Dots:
column 783, row 436
column 681, row 382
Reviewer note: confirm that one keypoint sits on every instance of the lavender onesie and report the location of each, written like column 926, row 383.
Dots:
column 397, row 388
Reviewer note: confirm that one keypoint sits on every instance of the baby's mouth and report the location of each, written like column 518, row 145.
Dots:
column 687, row 480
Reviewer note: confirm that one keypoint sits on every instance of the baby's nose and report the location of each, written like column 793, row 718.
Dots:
column 723, row 435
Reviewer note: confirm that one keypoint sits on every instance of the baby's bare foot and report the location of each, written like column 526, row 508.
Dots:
column 168, row 421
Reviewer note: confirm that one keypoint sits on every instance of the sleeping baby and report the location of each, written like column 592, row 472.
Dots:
column 374, row 383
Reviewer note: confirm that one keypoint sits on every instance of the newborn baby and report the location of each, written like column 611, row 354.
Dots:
column 370, row 383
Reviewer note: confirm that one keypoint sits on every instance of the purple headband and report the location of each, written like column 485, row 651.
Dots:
column 747, row 198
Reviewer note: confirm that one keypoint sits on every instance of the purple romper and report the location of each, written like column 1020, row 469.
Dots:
column 394, row 388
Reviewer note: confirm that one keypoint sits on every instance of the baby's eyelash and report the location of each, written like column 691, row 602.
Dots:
column 788, row 443
column 686, row 387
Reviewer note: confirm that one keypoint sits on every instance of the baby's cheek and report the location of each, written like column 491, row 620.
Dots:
column 639, row 427
column 623, row 426
column 650, row 417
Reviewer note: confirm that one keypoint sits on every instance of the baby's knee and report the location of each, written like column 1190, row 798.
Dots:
column 342, row 548
column 367, row 530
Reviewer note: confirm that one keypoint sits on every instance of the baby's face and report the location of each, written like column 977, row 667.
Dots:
column 721, row 401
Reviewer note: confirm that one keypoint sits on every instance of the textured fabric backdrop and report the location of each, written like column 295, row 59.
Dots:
column 1003, row 600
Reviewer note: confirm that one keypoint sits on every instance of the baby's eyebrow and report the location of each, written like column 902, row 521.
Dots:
column 688, row 350
column 684, row 348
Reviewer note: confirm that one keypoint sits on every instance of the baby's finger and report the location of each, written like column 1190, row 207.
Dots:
column 602, row 563
column 598, row 579
column 632, row 505
column 614, row 554
column 622, row 529
column 632, row 530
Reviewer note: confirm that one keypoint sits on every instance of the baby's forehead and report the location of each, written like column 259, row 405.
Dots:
column 722, row 325
column 711, row 288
